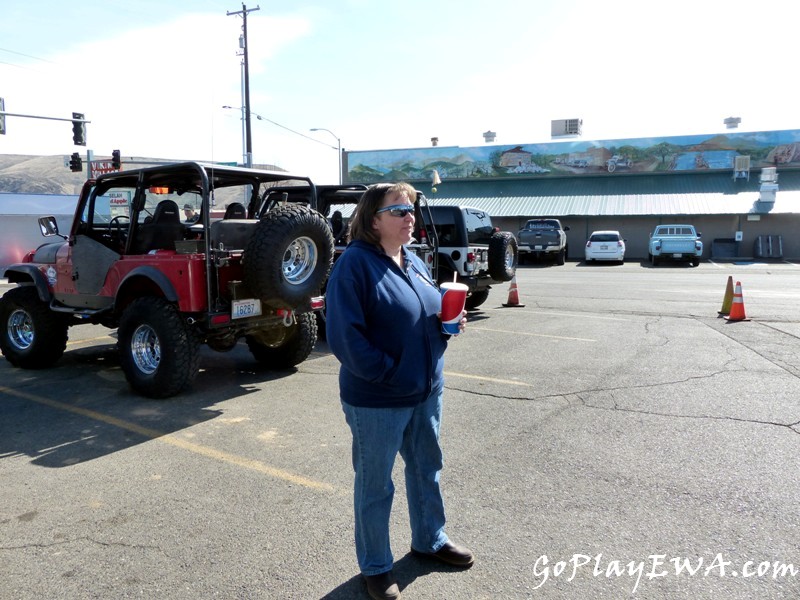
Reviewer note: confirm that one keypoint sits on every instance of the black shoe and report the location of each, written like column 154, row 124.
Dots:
column 450, row 553
column 382, row 586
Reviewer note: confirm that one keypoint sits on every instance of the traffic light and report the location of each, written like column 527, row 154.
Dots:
column 116, row 161
column 78, row 129
column 75, row 163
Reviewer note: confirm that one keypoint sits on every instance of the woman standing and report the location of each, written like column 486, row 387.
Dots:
column 383, row 326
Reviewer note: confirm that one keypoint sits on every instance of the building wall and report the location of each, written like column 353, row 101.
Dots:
column 636, row 231
column 19, row 227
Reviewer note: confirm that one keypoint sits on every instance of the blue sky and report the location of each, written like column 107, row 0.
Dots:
column 153, row 76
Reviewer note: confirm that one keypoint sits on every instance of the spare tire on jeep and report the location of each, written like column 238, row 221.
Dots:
column 289, row 256
column 503, row 256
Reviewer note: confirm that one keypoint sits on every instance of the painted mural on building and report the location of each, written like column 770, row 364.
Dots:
column 577, row 157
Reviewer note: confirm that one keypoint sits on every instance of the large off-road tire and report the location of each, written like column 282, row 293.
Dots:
column 503, row 256
column 159, row 351
column 475, row 299
column 322, row 324
column 31, row 335
column 284, row 347
column 289, row 256
column 561, row 257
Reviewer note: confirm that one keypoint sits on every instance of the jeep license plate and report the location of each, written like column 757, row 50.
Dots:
column 677, row 255
column 245, row 308
column 538, row 247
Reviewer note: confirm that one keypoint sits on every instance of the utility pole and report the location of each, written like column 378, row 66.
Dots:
column 248, row 133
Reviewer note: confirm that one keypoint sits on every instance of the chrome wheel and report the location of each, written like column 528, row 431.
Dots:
column 509, row 257
column 146, row 349
column 20, row 329
column 299, row 260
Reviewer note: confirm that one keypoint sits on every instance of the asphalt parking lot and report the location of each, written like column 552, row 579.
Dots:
column 612, row 438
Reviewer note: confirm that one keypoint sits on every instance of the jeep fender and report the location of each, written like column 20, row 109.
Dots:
column 23, row 274
column 446, row 261
column 156, row 277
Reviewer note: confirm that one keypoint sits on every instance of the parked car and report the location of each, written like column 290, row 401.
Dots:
column 472, row 251
column 543, row 238
column 129, row 263
column 675, row 243
column 605, row 245
column 338, row 202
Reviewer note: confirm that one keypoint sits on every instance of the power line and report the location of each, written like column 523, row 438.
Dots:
column 308, row 137
column 25, row 55
column 260, row 118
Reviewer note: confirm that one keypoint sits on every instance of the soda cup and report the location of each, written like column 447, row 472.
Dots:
column 453, row 297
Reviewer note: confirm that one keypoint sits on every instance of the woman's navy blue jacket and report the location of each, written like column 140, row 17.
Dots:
column 382, row 325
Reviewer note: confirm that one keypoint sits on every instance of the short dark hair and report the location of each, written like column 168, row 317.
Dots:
column 368, row 205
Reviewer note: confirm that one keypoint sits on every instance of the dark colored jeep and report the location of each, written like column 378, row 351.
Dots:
column 168, row 286
column 338, row 203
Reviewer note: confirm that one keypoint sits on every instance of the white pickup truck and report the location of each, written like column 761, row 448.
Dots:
column 675, row 242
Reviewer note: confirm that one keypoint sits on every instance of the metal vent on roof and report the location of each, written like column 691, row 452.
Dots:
column 769, row 175
column 769, row 184
column 741, row 167
column 566, row 127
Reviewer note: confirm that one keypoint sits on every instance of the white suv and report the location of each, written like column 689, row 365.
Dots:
column 605, row 245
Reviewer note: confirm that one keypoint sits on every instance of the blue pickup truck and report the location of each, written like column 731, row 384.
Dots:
column 675, row 243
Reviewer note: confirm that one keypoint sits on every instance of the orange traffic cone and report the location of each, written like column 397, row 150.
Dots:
column 727, row 299
column 737, row 308
column 513, row 295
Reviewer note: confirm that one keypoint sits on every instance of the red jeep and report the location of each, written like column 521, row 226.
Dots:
column 130, row 262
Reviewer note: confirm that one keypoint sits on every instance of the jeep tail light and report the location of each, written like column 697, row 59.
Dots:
column 220, row 319
column 471, row 257
column 317, row 303
column 697, row 246
column 589, row 244
column 658, row 246
column 619, row 243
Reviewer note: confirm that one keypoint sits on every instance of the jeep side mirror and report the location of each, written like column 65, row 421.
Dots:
column 566, row 228
column 699, row 234
column 48, row 226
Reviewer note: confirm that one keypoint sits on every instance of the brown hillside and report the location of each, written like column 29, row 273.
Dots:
column 24, row 174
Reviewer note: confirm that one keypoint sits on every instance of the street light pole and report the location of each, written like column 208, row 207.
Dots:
column 338, row 148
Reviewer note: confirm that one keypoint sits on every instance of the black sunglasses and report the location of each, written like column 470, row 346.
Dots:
column 397, row 210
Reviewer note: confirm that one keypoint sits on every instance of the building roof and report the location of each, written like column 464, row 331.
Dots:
column 620, row 195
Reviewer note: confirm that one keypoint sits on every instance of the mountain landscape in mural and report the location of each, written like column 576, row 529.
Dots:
column 578, row 157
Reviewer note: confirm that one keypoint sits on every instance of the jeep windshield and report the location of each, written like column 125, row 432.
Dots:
column 477, row 224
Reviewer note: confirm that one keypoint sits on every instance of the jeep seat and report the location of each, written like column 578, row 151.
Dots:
column 231, row 234
column 235, row 210
column 162, row 233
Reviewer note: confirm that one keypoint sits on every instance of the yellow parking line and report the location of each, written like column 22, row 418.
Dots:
column 555, row 337
column 172, row 440
column 492, row 379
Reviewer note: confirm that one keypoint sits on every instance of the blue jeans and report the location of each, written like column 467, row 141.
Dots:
column 378, row 435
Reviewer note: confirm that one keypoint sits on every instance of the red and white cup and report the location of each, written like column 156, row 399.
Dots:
column 453, row 297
